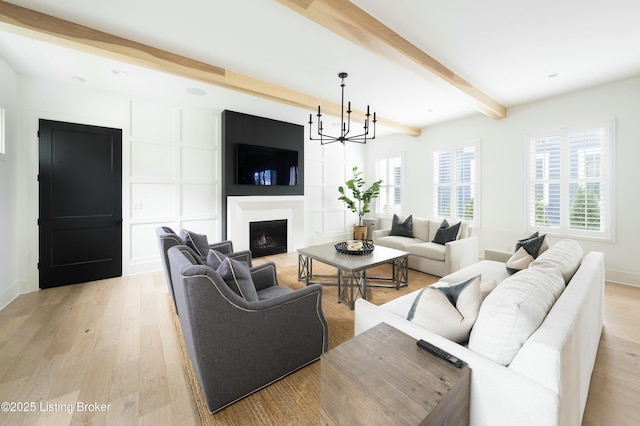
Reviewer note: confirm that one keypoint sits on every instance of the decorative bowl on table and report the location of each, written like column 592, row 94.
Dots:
column 355, row 247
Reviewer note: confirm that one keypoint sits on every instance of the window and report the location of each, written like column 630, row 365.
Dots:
column 570, row 182
column 456, row 178
column 390, row 200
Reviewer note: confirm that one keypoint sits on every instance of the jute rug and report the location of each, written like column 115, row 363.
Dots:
column 295, row 400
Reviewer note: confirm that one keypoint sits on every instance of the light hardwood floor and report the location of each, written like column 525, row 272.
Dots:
column 113, row 343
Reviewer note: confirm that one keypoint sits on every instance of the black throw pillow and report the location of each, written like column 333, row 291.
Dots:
column 532, row 244
column 402, row 229
column 446, row 233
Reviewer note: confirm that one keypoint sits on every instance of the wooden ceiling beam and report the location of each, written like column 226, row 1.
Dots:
column 349, row 21
column 64, row 33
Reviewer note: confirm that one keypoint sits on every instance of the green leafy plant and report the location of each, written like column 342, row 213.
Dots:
column 360, row 199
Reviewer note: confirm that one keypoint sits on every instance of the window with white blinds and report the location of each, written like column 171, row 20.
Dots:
column 570, row 181
column 390, row 200
column 456, row 177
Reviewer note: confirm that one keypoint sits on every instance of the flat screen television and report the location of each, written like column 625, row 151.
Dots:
column 264, row 166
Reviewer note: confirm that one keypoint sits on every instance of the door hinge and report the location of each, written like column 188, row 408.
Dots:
column 38, row 220
column 38, row 133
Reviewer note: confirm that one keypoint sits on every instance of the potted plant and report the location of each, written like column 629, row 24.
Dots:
column 360, row 199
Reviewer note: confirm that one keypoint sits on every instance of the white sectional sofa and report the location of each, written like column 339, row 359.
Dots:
column 427, row 256
column 547, row 381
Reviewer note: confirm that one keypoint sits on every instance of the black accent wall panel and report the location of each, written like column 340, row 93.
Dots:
column 253, row 130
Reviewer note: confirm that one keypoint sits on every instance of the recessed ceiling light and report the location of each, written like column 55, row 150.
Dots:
column 77, row 79
column 119, row 73
column 195, row 91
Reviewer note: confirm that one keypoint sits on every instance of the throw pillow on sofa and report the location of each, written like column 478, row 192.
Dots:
column 402, row 228
column 449, row 311
column 513, row 311
column 527, row 250
column 238, row 277
column 447, row 233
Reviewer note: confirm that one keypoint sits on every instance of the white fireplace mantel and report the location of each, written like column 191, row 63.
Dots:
column 244, row 209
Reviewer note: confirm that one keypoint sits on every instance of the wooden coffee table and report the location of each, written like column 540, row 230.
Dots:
column 351, row 278
column 381, row 377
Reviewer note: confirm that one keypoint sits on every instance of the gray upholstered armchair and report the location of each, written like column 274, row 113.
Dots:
column 167, row 239
column 236, row 346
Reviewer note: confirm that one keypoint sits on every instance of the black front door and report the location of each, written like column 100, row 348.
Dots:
column 80, row 195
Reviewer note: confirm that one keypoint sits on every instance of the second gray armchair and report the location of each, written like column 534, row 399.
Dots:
column 239, row 339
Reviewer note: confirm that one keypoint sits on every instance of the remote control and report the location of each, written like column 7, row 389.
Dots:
column 439, row 353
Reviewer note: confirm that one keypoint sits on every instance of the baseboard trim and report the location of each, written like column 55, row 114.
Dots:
column 143, row 267
column 621, row 277
column 8, row 295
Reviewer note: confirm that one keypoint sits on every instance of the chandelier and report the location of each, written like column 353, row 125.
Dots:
column 345, row 127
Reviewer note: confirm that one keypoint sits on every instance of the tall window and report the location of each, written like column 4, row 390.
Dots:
column 456, row 178
column 390, row 199
column 570, row 182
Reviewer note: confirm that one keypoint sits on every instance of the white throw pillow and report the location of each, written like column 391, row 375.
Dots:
column 519, row 260
column 449, row 311
column 513, row 311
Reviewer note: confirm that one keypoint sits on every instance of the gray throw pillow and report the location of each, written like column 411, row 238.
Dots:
column 198, row 242
column 402, row 228
column 238, row 277
column 215, row 258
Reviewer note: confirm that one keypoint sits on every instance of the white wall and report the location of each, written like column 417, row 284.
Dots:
column 171, row 173
column 502, row 150
column 171, row 166
column 9, row 284
column 326, row 168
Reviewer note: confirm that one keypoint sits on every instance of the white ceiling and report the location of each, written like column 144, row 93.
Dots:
column 505, row 48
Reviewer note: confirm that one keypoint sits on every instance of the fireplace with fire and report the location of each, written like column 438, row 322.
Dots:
column 268, row 237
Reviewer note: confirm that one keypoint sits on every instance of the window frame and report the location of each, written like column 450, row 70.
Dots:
column 475, row 184
column 606, row 177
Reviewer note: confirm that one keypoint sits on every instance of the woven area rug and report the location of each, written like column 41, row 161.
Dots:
column 295, row 400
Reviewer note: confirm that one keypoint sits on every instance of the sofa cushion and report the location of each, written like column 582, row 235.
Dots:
column 491, row 270
column 427, row 250
column 273, row 291
column 238, row 277
column 402, row 228
column 566, row 255
column 449, row 311
column 398, row 243
column 215, row 258
column 421, row 229
column 464, row 230
column 198, row 242
column 446, row 233
column 513, row 311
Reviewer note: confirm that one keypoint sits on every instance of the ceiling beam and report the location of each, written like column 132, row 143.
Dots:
column 64, row 33
column 349, row 21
